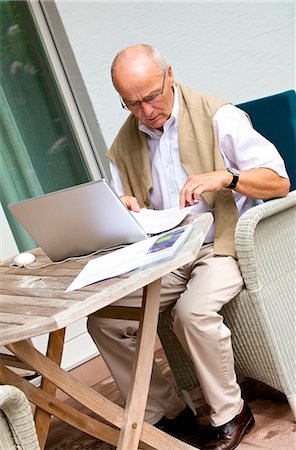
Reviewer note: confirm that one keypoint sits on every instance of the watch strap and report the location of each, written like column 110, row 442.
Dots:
column 235, row 179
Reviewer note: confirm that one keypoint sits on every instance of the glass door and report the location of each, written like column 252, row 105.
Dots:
column 39, row 151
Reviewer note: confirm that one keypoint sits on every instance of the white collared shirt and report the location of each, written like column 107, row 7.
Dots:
column 241, row 147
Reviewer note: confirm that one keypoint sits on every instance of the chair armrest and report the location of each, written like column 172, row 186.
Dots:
column 263, row 235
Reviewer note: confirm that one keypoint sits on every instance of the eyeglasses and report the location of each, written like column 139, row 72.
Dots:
column 152, row 98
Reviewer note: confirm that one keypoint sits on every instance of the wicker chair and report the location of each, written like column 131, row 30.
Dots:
column 17, row 428
column 262, row 316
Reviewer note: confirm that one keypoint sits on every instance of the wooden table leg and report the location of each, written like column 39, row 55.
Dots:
column 141, row 374
column 150, row 437
column 55, row 348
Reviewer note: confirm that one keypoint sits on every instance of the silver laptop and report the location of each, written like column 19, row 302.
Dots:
column 78, row 220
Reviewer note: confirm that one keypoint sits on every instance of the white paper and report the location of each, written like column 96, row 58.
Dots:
column 113, row 264
column 132, row 256
column 156, row 221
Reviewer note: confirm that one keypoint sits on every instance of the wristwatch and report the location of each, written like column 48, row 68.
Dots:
column 235, row 174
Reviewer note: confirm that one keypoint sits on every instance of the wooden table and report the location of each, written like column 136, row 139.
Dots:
column 33, row 302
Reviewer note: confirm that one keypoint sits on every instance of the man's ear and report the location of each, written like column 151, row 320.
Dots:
column 170, row 76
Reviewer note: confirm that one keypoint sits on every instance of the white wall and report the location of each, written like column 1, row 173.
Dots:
column 237, row 50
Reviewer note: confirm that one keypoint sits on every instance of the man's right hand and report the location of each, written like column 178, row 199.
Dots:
column 130, row 202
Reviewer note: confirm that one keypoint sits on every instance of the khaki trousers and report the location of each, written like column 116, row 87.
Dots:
column 199, row 290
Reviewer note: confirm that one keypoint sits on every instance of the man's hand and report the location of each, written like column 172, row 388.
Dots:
column 196, row 185
column 260, row 183
column 130, row 202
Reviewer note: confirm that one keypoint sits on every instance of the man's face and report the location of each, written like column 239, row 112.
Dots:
column 148, row 94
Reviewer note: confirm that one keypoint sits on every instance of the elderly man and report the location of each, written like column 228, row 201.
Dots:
column 177, row 147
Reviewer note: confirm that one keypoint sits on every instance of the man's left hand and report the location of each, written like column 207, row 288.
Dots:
column 260, row 183
column 196, row 185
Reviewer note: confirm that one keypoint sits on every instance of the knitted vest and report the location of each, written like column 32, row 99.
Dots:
column 199, row 153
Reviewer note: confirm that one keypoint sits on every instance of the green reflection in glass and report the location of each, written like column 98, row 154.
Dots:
column 38, row 149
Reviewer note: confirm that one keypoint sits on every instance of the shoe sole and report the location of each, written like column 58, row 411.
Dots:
column 250, row 425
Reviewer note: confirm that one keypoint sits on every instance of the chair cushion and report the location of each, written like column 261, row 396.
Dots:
column 275, row 118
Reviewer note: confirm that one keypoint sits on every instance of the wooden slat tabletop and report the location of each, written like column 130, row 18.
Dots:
column 33, row 301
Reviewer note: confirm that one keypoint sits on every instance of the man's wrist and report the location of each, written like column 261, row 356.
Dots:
column 234, row 179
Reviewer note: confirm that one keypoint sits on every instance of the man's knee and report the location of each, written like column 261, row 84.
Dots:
column 108, row 327
column 202, row 321
column 93, row 325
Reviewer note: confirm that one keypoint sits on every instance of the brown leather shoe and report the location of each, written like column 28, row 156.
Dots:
column 229, row 435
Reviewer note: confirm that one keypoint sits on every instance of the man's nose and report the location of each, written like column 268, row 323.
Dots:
column 147, row 108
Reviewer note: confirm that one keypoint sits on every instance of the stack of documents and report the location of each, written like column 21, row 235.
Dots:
column 141, row 253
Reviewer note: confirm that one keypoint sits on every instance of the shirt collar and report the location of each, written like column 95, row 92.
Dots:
column 172, row 120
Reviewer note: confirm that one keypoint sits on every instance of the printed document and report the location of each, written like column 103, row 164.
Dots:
column 112, row 265
column 156, row 221
column 133, row 256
